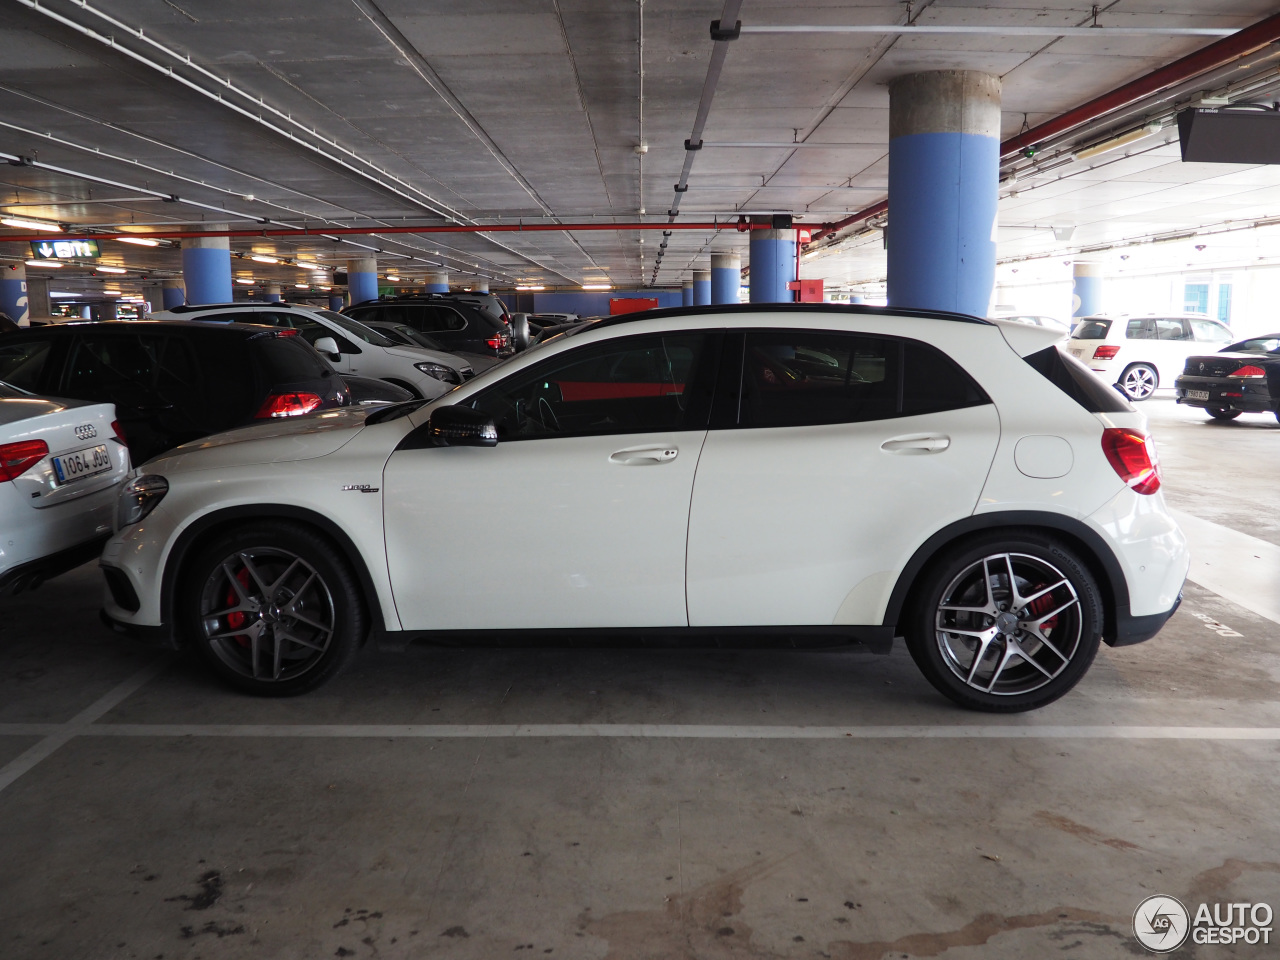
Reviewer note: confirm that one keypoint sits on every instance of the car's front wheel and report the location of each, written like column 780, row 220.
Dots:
column 273, row 608
column 1222, row 413
column 1139, row 381
column 1006, row 623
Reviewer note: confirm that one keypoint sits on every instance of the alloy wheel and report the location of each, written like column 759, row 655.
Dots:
column 1139, row 382
column 267, row 614
column 1008, row 624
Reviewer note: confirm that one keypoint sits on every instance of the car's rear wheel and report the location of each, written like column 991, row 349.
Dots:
column 1006, row 623
column 273, row 608
column 1222, row 413
column 1139, row 381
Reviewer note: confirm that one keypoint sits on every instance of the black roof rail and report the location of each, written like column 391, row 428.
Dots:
column 735, row 308
column 193, row 307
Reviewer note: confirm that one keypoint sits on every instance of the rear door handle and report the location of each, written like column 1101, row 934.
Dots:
column 639, row 456
column 917, row 444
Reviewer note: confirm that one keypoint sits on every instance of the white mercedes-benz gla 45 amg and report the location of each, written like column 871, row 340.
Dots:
column 801, row 470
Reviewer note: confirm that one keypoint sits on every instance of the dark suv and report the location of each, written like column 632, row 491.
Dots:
column 173, row 382
column 460, row 323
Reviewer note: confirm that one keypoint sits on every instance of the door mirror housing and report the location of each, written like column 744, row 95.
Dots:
column 329, row 347
column 460, row 426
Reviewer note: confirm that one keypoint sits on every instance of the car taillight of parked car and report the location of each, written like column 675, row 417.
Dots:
column 1249, row 373
column 118, row 432
column 1132, row 454
column 287, row 405
column 287, row 332
column 1106, row 351
column 499, row 341
column 17, row 458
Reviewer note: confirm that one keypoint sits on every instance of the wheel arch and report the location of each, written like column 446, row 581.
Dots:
column 404, row 385
column 1087, row 543
column 213, row 524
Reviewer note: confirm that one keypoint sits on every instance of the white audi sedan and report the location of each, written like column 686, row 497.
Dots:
column 61, row 466
column 799, row 470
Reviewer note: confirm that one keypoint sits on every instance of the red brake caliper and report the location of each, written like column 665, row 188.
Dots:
column 238, row 618
column 1040, row 606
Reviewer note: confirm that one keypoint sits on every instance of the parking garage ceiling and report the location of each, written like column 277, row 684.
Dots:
column 126, row 114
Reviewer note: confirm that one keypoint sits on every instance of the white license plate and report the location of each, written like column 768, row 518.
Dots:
column 1197, row 394
column 82, row 463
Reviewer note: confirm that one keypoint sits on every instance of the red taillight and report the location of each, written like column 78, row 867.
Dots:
column 287, row 332
column 17, row 458
column 119, row 432
column 1106, row 351
column 499, row 341
column 1132, row 455
column 287, row 405
column 1249, row 373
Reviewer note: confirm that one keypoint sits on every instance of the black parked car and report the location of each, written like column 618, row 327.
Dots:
column 1243, row 377
column 173, row 382
column 460, row 323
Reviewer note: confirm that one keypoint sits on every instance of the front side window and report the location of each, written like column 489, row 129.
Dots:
column 22, row 363
column 1210, row 332
column 642, row 384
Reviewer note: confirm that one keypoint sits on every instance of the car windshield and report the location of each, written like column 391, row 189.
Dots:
column 1259, row 345
column 356, row 329
column 9, row 391
column 1092, row 330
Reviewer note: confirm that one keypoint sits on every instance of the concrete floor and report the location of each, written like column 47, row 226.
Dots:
column 697, row 804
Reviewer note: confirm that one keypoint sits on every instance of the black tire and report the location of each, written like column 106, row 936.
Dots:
column 1221, row 413
column 1139, row 381
column 297, row 635
column 1063, row 653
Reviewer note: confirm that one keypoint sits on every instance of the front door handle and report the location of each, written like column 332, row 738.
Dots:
column 915, row 444
column 639, row 456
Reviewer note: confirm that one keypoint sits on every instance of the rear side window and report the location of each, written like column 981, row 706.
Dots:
column 1076, row 380
column 1138, row 330
column 932, row 382
column 1172, row 329
column 288, row 360
column 1092, row 330
column 440, row 319
column 121, row 369
column 22, row 363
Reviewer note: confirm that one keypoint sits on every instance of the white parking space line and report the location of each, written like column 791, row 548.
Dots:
column 655, row 731
column 59, row 734
column 1234, row 565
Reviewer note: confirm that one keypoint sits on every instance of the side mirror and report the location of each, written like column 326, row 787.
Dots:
column 459, row 426
column 329, row 347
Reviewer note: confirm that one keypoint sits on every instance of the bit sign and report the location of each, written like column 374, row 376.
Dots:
column 64, row 249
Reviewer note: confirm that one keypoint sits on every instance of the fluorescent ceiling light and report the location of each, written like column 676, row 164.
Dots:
column 30, row 224
column 597, row 286
column 535, row 286
column 140, row 241
column 62, row 293
column 113, row 293
column 261, row 258
column 44, row 263
column 302, row 286
column 243, row 280
column 102, row 269
column 1115, row 143
column 326, row 288
column 393, row 279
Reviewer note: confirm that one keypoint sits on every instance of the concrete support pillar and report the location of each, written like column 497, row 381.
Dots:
column 944, row 156
column 686, row 293
column 206, row 267
column 773, row 265
column 701, row 288
column 1086, row 290
column 856, row 298
column 272, row 293
column 106, row 310
column 173, row 295
column 335, row 301
column 437, row 282
column 480, row 286
column 362, row 279
column 726, row 277
column 38, row 303
column 86, row 312
column 13, row 293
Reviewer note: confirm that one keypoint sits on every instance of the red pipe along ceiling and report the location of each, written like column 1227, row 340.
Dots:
column 1215, row 55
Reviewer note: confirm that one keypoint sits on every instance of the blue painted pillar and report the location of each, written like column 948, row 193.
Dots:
column 701, row 288
column 335, row 302
column 944, row 163
column 1086, row 290
column 362, row 279
column 13, row 294
column 856, row 298
column 272, row 293
column 686, row 293
column 773, row 265
column 172, row 295
column 436, row 283
column 726, row 277
column 206, row 267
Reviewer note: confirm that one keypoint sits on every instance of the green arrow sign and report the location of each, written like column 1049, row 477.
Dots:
column 64, row 249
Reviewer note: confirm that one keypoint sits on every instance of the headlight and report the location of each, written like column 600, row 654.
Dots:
column 439, row 371
column 139, row 497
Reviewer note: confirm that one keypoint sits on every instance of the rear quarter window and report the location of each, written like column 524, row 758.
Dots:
column 1076, row 380
column 1092, row 330
column 289, row 360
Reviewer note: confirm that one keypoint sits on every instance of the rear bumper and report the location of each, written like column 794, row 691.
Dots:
column 1131, row 629
column 29, row 575
column 1249, row 397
